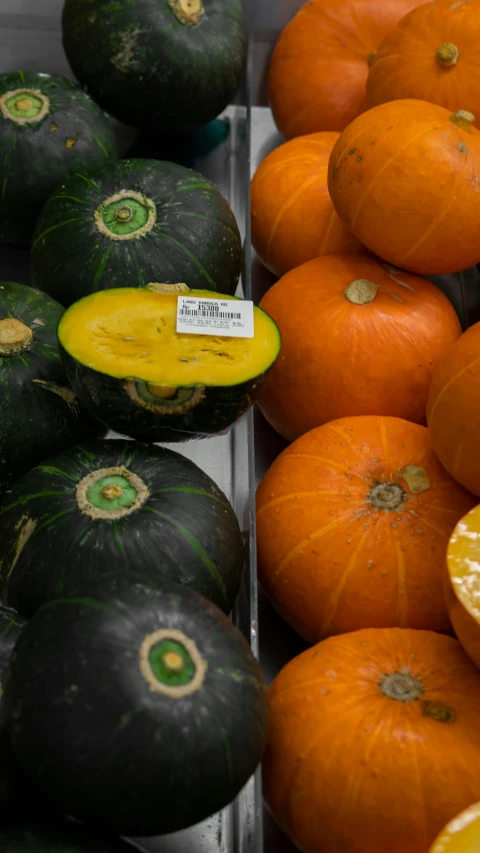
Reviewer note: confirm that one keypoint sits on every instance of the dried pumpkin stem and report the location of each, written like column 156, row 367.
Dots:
column 388, row 496
column 463, row 119
column 447, row 54
column 401, row 686
column 361, row 291
column 187, row 12
column 15, row 336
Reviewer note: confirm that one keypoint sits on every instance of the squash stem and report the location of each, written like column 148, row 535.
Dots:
column 15, row 336
column 187, row 12
column 401, row 686
column 447, row 55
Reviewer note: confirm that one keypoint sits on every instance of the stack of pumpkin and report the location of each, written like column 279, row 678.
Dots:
column 128, row 680
column 374, row 741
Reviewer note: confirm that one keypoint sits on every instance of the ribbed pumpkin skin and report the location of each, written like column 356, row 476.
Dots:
column 330, row 558
column 453, row 411
column 406, row 180
column 339, row 359
column 348, row 768
column 406, row 63
column 319, row 67
column 293, row 219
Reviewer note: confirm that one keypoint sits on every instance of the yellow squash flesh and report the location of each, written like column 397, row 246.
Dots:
column 131, row 332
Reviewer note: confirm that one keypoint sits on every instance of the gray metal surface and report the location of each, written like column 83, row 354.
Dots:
column 30, row 38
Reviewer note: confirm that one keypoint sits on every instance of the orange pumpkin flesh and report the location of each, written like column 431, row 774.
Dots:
column 358, row 337
column 293, row 219
column 374, row 742
column 431, row 55
column 462, row 835
column 462, row 586
column 319, row 67
column 404, row 177
column 453, row 410
column 353, row 522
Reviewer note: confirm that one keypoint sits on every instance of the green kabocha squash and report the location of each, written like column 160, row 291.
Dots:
column 40, row 414
column 44, row 836
column 167, row 66
column 140, row 710
column 49, row 127
column 112, row 507
column 137, row 221
column 15, row 791
column 136, row 374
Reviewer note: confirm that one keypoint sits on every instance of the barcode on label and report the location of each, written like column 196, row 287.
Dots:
column 222, row 315
column 197, row 316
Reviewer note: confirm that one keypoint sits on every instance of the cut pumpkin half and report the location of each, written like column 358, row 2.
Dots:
column 462, row 585
column 462, row 834
column 143, row 379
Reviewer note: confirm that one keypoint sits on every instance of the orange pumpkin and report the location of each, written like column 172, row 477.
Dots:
column 374, row 742
column 462, row 835
column 432, row 55
column 319, row 67
column 405, row 178
column 293, row 219
column 453, row 410
column 462, row 584
column 353, row 522
column 358, row 338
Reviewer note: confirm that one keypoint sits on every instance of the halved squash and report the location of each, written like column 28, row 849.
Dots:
column 462, row 586
column 462, row 834
column 141, row 378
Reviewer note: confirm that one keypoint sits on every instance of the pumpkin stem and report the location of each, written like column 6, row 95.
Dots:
column 111, row 492
column 439, row 712
column 173, row 662
column 371, row 58
column 401, row 686
column 416, row 478
column 15, row 336
column 463, row 119
column 447, row 54
column 187, row 12
column 361, row 291
column 387, row 496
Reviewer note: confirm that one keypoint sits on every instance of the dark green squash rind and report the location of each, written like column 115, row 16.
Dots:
column 149, row 70
column 36, row 158
column 149, row 763
column 185, row 532
column 15, row 791
column 195, row 239
column 108, row 401
column 35, row 419
column 60, row 837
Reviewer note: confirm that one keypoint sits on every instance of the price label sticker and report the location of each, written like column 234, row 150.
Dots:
column 225, row 317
